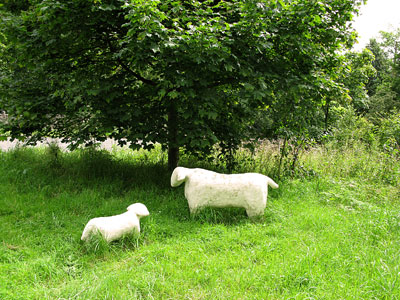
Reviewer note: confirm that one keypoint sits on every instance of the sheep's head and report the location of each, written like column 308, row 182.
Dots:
column 178, row 176
column 139, row 209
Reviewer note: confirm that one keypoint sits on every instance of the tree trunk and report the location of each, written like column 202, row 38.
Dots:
column 173, row 147
column 173, row 158
column 327, row 107
column 283, row 154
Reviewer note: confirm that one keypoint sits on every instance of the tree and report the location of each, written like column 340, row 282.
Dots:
column 381, row 65
column 358, row 69
column 384, row 88
column 186, row 74
column 391, row 44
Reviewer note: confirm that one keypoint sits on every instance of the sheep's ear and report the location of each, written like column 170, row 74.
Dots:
column 178, row 176
column 181, row 176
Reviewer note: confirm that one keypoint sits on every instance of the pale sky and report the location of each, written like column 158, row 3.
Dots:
column 375, row 16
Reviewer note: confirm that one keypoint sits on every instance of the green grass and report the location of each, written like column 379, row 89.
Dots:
column 332, row 235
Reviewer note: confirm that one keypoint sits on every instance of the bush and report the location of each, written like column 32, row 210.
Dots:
column 349, row 128
column 383, row 102
column 388, row 132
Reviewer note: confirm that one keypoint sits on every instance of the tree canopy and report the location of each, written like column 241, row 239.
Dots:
column 186, row 74
column 384, row 87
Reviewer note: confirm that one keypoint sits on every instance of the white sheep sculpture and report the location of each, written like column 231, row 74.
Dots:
column 205, row 188
column 114, row 227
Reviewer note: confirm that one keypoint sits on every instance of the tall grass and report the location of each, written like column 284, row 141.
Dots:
column 331, row 231
column 358, row 161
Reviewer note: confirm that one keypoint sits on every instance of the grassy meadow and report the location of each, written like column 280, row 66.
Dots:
column 331, row 231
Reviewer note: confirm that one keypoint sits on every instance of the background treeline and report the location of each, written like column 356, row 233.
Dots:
column 368, row 114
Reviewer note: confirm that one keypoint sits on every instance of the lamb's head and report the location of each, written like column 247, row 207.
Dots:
column 139, row 209
column 179, row 176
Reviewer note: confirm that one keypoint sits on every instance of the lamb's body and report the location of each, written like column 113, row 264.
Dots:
column 114, row 227
column 206, row 188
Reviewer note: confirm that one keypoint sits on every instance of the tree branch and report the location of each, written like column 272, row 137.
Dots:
column 228, row 80
column 138, row 76
column 126, row 67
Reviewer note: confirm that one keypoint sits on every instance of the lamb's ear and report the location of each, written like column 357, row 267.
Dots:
column 178, row 176
column 139, row 209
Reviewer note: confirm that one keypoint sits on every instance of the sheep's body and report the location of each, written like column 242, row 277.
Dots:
column 114, row 227
column 205, row 188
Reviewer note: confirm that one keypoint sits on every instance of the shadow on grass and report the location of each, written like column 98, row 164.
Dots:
column 98, row 246
column 88, row 167
column 225, row 216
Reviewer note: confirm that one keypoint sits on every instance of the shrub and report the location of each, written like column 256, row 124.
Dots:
column 388, row 132
column 350, row 128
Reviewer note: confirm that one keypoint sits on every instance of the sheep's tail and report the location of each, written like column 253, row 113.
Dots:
column 87, row 231
column 272, row 183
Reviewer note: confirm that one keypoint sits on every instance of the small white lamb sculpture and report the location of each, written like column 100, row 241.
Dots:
column 114, row 227
column 206, row 188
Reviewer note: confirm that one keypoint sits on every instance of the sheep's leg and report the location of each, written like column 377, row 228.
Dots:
column 192, row 204
column 254, row 212
column 193, row 210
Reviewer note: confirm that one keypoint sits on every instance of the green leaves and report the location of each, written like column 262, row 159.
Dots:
column 173, row 94
column 118, row 67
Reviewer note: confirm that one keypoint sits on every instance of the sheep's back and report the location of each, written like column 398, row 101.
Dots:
column 221, row 190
